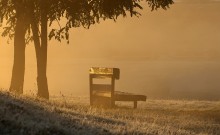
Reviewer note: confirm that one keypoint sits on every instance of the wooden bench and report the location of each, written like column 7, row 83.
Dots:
column 105, row 94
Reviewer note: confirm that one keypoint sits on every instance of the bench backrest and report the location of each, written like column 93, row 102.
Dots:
column 103, row 73
column 100, row 72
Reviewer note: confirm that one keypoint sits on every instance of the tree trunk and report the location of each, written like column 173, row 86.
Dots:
column 17, row 80
column 40, row 43
column 42, row 62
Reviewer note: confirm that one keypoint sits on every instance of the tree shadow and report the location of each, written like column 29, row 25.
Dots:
column 20, row 115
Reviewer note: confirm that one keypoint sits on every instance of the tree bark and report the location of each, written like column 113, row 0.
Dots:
column 42, row 62
column 18, row 71
column 40, row 43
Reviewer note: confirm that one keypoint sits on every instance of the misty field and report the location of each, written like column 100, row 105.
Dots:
column 73, row 115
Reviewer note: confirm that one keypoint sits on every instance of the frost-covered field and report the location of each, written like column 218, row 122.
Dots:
column 73, row 115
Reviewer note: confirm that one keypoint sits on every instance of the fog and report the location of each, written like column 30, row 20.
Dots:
column 162, row 54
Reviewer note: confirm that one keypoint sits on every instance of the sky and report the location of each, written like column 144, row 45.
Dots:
column 161, row 53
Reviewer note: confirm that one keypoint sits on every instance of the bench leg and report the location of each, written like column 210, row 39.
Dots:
column 135, row 104
column 91, row 101
column 112, row 103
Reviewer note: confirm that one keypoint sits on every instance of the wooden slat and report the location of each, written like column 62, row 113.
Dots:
column 102, row 71
column 106, row 94
column 101, row 76
column 102, row 87
column 122, row 96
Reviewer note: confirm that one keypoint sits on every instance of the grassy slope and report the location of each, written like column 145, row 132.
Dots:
column 63, row 115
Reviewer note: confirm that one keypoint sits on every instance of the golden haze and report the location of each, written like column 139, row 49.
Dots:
column 165, row 53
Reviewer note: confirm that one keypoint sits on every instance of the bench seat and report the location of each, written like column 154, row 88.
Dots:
column 121, row 96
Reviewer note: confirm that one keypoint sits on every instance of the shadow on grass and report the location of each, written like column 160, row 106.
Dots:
column 28, row 116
